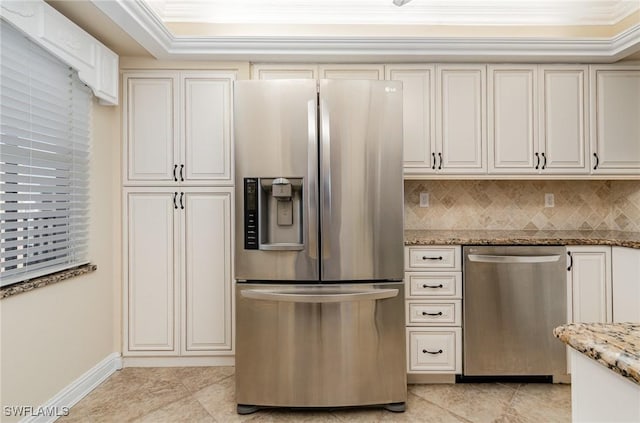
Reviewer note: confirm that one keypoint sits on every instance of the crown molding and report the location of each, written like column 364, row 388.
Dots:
column 141, row 23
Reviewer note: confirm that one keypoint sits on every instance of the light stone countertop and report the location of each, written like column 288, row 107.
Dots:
column 507, row 237
column 615, row 345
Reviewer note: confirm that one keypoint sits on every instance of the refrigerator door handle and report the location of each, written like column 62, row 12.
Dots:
column 302, row 296
column 325, row 172
column 312, row 175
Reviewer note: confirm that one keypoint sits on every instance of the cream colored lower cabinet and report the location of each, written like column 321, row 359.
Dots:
column 589, row 278
column 434, row 350
column 177, row 272
column 433, row 287
column 625, row 279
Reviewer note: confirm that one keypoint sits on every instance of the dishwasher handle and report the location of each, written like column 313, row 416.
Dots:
column 292, row 296
column 485, row 258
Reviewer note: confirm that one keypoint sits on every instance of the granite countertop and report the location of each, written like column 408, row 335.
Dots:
column 615, row 345
column 498, row 237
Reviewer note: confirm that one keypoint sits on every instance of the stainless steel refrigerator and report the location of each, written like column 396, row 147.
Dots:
column 319, row 244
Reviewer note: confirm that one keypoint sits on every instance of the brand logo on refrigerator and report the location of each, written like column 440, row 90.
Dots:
column 390, row 89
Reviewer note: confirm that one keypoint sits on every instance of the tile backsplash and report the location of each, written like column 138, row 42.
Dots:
column 520, row 205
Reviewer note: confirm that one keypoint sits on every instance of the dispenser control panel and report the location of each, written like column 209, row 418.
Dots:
column 251, row 213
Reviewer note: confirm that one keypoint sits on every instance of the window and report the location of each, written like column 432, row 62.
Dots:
column 44, row 161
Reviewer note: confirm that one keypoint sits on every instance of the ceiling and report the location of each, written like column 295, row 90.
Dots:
column 598, row 31
column 420, row 12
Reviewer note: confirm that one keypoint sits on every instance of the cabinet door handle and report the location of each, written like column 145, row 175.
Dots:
column 570, row 261
column 175, row 206
column 181, row 169
column 544, row 164
column 424, row 285
column 431, row 258
column 440, row 164
column 597, row 161
column 432, row 352
column 433, row 166
column 181, row 203
column 537, row 161
column 175, row 177
column 424, row 313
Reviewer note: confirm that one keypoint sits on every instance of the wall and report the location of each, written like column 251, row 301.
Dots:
column 53, row 335
column 519, row 205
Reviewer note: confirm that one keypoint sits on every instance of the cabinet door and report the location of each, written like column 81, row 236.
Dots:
column 150, row 275
column 150, row 128
column 512, row 119
column 590, row 278
column 351, row 71
column 206, row 264
column 284, row 71
column 563, row 124
column 625, row 271
column 417, row 115
column 206, row 134
column 460, row 117
column 615, row 122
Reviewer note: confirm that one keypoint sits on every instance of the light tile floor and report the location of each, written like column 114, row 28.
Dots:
column 206, row 394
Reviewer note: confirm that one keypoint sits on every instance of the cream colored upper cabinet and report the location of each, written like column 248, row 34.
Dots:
column 206, row 147
column 150, row 128
column 562, row 140
column 615, row 119
column 178, row 128
column 537, row 119
column 460, row 119
column 284, row 71
column 418, row 85
column 348, row 71
column 512, row 119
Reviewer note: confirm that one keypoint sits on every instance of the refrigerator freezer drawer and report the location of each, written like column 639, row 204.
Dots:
column 435, row 350
column 320, row 346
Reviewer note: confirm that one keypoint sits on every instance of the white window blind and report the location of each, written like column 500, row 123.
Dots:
column 44, row 161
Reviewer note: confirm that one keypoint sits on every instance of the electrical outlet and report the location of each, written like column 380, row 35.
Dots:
column 424, row 199
column 549, row 200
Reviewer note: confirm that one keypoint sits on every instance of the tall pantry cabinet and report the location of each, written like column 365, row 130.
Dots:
column 177, row 201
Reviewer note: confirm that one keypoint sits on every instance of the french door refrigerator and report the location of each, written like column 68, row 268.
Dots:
column 319, row 244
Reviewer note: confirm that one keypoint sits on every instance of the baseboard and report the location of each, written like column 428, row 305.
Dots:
column 76, row 390
column 178, row 361
column 420, row 378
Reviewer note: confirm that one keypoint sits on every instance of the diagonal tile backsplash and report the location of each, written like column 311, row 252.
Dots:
column 519, row 205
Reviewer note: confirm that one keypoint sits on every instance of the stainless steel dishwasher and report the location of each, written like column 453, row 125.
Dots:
column 513, row 298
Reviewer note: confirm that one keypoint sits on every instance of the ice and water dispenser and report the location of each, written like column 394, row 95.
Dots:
column 273, row 213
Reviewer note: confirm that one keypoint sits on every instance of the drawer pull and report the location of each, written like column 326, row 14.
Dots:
column 432, row 352
column 424, row 285
column 424, row 313
column 432, row 258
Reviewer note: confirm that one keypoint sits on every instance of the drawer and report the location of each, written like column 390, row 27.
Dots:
column 434, row 284
column 436, row 258
column 434, row 313
column 434, row 350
